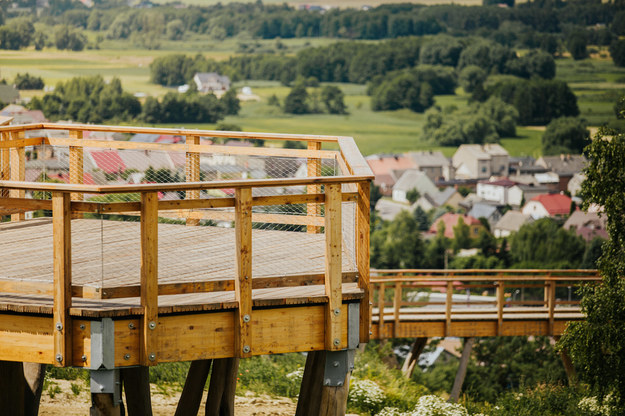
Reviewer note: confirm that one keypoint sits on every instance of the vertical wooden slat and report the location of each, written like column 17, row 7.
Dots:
column 243, row 282
column 448, row 304
column 333, row 276
column 363, row 213
column 314, row 169
column 5, row 166
column 62, row 251
column 149, row 276
column 192, row 174
column 551, row 304
column 76, row 174
column 397, row 305
column 500, row 302
column 381, row 310
column 18, row 172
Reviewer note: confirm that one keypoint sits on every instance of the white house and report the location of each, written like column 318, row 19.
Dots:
column 510, row 223
column 413, row 179
column 502, row 192
column 211, row 82
column 548, row 205
column 474, row 161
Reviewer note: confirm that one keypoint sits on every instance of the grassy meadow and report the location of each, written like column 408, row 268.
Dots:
column 596, row 82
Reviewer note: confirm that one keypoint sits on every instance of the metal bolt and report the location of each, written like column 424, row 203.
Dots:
column 83, row 326
column 326, row 382
column 340, row 383
column 246, row 318
column 337, row 342
column 152, row 325
column 59, row 326
column 59, row 358
column 152, row 357
column 335, row 364
column 247, row 277
column 337, row 311
column 131, row 325
column 246, row 349
column 127, row 357
column 84, row 358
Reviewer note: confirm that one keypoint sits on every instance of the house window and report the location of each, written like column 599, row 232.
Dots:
column 483, row 169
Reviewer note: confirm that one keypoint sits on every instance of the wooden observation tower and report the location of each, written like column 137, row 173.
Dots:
column 127, row 247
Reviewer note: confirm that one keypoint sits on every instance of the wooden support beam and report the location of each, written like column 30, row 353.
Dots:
column 396, row 307
column 413, row 356
column 363, row 212
column 62, row 250
column 462, row 369
column 149, row 276
column 18, row 172
column 314, row 169
column 500, row 293
column 136, row 382
column 76, row 165
column 551, row 304
column 223, row 383
column 243, row 282
column 5, row 164
column 34, row 375
column 191, row 397
column 448, row 306
column 12, row 388
column 192, row 173
column 334, row 263
column 102, row 404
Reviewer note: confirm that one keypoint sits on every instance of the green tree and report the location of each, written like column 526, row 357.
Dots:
column 333, row 99
column 565, row 135
column 297, row 100
column 472, row 76
column 436, row 250
column 597, row 344
column 66, row 37
column 412, row 195
column 462, row 236
column 28, row 82
column 397, row 244
column 576, row 44
column 230, row 102
column 617, row 52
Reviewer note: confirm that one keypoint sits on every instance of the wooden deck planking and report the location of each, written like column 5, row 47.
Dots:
column 185, row 253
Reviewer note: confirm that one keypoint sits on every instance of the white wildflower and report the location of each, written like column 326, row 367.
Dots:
column 365, row 394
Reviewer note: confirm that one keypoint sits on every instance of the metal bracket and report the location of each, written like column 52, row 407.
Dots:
column 106, row 381
column 353, row 325
column 103, row 344
column 338, row 363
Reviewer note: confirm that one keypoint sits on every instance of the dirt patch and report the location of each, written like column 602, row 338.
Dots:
column 72, row 398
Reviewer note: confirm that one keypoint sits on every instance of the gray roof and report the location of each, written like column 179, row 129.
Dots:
column 512, row 221
column 8, row 94
column 415, row 179
column 482, row 210
column 388, row 209
column 429, row 158
column 563, row 164
column 443, row 196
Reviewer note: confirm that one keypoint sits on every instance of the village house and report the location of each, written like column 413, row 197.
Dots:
column 565, row 166
column 434, row 164
column 388, row 169
column 490, row 212
column 475, row 161
column 413, row 179
column 502, row 192
column 448, row 196
column 588, row 225
column 510, row 223
column 548, row 205
column 211, row 82
column 451, row 220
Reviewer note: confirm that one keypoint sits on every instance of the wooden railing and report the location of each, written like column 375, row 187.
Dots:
column 68, row 200
column 532, row 292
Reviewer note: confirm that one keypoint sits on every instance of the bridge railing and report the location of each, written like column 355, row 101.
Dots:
column 413, row 294
column 73, row 176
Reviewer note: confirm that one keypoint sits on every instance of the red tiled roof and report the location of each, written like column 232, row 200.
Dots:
column 108, row 160
column 87, row 179
column 451, row 220
column 555, row 204
column 384, row 165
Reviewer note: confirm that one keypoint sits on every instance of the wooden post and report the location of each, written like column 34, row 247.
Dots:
column 11, row 388
column 102, row 404
column 76, row 167
column 363, row 212
column 413, row 356
column 243, row 282
column 62, row 243
column 397, row 306
column 136, row 381
column 462, row 370
column 334, row 272
column 220, row 400
column 500, row 291
column 192, row 173
column 551, row 304
column 381, row 310
column 448, row 304
column 191, row 396
column 149, row 276
column 18, row 172
column 314, row 169
column 34, row 374
column 5, row 165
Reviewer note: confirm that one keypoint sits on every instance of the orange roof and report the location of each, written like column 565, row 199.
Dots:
column 386, row 164
column 555, row 204
column 451, row 220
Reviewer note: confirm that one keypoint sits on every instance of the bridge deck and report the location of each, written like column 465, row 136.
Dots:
column 106, row 257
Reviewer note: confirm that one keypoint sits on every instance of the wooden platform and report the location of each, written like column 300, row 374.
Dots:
column 106, row 255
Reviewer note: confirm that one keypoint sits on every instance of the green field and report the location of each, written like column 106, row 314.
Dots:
column 597, row 84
